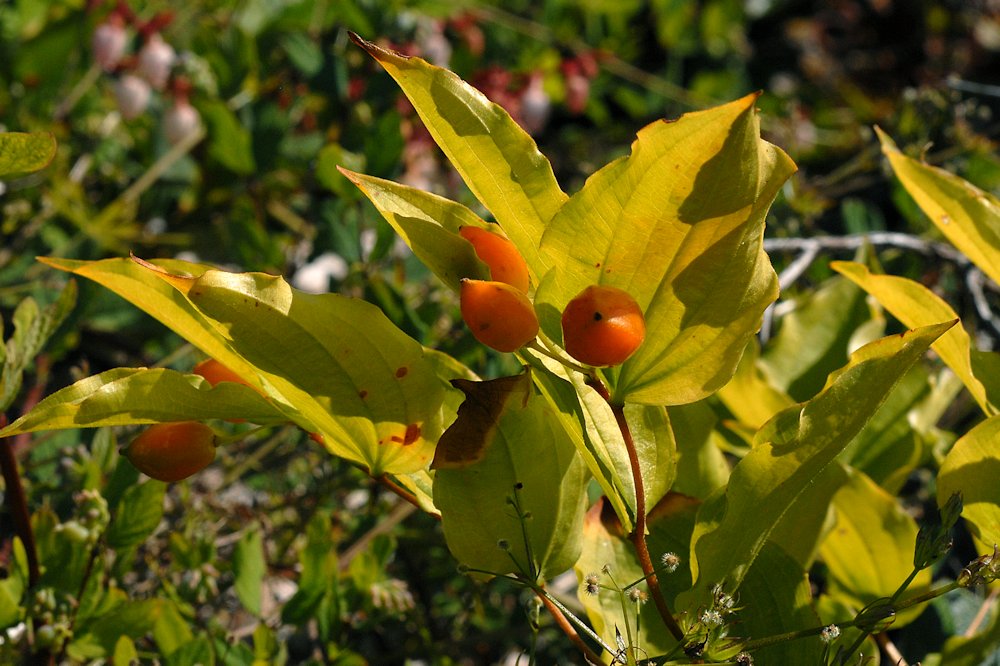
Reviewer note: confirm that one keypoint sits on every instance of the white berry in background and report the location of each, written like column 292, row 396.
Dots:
column 108, row 43
column 132, row 94
column 535, row 105
column 180, row 121
column 156, row 59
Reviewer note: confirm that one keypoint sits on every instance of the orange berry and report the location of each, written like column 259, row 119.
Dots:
column 505, row 262
column 602, row 326
column 214, row 372
column 172, row 451
column 499, row 315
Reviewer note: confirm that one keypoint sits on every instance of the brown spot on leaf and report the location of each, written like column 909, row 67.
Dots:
column 362, row 394
column 412, row 434
column 401, row 371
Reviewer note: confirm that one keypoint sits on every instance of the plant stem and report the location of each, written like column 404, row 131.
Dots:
column 814, row 631
column 18, row 504
column 534, row 346
column 638, row 536
column 556, row 610
column 402, row 492
column 399, row 513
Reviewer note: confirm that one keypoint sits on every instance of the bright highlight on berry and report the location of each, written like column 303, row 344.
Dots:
column 499, row 315
column 602, row 326
column 505, row 262
column 172, row 451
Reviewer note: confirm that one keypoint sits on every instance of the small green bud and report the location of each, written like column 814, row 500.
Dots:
column 934, row 537
column 877, row 616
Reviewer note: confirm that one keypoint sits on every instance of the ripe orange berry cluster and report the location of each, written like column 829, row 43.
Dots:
column 602, row 326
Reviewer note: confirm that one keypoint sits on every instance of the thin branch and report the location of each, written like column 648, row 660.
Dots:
column 878, row 238
column 975, row 280
column 18, row 504
column 895, row 656
column 984, row 610
column 402, row 492
column 567, row 628
column 399, row 513
column 638, row 536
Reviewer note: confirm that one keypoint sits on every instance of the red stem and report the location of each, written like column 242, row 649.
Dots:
column 18, row 504
column 638, row 536
column 568, row 629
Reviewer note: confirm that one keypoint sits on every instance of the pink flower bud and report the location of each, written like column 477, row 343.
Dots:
column 180, row 120
column 133, row 95
column 535, row 105
column 156, row 58
column 108, row 43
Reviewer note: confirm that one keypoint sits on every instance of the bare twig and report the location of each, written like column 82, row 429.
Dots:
column 984, row 610
column 399, row 513
column 891, row 651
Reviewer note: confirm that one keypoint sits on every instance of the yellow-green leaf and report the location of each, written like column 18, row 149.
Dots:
column 498, row 160
column 916, row 305
column 972, row 468
column 429, row 224
column 965, row 214
column 22, row 153
column 869, row 551
column 678, row 224
column 530, row 465
column 341, row 365
column 129, row 396
column 790, row 451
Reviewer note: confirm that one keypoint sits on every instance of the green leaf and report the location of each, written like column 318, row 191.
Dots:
column 587, row 419
column 790, row 451
column 229, row 141
column 429, row 224
column 605, row 543
column 749, row 395
column 144, row 289
column 529, row 459
column 966, row 215
column 171, row 631
column 125, row 653
column 891, row 446
column 498, row 160
column 22, row 153
column 678, row 224
column 331, row 158
column 655, row 448
column 813, row 338
column 138, row 514
column 801, row 529
column 701, row 466
column 916, row 305
column 11, row 591
column 132, row 618
column 126, row 396
column 972, row 468
column 775, row 598
column 249, row 569
column 196, row 651
column 33, row 327
column 319, row 579
column 869, row 551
